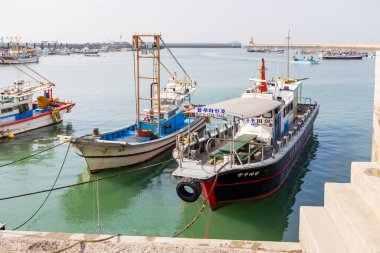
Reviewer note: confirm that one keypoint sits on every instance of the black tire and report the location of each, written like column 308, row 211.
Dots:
column 189, row 196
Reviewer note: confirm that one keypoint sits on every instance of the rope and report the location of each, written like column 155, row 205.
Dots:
column 82, row 183
column 202, row 207
column 84, row 241
column 98, row 206
column 43, row 203
column 24, row 158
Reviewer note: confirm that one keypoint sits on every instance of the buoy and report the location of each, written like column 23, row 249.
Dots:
column 11, row 136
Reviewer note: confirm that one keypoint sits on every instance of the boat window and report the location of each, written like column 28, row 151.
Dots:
column 6, row 110
column 267, row 115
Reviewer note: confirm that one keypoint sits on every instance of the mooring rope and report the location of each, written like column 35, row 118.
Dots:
column 200, row 209
column 27, row 157
column 46, row 198
column 84, row 241
column 86, row 182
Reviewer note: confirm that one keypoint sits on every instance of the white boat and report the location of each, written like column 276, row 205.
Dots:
column 156, row 127
column 91, row 53
column 19, row 113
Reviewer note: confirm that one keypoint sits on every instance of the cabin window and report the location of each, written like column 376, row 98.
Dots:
column 6, row 110
column 267, row 115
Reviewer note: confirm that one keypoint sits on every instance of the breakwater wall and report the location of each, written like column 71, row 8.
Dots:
column 321, row 46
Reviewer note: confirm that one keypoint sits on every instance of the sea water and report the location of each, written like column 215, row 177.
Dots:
column 144, row 201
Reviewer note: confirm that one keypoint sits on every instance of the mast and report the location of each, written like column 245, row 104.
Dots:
column 287, row 66
column 263, row 86
column 142, row 47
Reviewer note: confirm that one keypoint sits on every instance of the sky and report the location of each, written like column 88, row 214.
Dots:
column 267, row 21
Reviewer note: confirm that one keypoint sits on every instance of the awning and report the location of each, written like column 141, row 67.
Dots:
column 246, row 107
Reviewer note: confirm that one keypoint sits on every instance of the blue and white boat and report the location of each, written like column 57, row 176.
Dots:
column 303, row 60
column 156, row 128
column 19, row 113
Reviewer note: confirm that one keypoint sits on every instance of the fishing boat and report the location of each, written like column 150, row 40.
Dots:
column 18, row 58
column 18, row 55
column 91, row 53
column 156, row 127
column 252, row 157
column 342, row 55
column 20, row 113
column 303, row 60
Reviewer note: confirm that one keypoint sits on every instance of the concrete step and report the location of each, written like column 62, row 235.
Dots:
column 365, row 177
column 353, row 218
column 317, row 232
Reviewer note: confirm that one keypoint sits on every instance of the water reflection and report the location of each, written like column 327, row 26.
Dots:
column 264, row 219
column 116, row 195
column 29, row 143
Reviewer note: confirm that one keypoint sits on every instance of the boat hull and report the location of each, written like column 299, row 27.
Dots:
column 256, row 182
column 359, row 57
column 12, row 60
column 102, row 155
column 34, row 122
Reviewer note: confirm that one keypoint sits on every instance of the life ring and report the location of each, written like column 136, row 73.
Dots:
column 187, row 196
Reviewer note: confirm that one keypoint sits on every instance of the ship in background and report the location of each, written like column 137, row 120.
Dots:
column 16, row 54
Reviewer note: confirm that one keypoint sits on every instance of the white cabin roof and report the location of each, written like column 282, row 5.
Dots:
column 246, row 107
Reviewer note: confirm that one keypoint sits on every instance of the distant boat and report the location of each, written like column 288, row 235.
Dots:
column 342, row 55
column 19, row 113
column 256, row 50
column 91, row 53
column 276, row 50
column 303, row 60
column 19, row 58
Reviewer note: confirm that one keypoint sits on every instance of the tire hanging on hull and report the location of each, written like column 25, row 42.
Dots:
column 187, row 196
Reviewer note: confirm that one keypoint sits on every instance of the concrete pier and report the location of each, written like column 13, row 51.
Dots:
column 376, row 113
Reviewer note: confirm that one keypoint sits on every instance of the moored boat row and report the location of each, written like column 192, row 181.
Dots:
column 248, row 158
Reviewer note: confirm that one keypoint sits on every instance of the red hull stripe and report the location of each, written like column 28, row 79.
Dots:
column 215, row 204
column 67, row 105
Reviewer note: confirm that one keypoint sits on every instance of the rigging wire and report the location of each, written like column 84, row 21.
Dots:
column 37, row 73
column 48, row 195
column 184, row 71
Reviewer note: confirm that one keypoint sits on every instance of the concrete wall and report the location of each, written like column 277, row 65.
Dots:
column 376, row 113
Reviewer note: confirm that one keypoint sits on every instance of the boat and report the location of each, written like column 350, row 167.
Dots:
column 155, row 129
column 20, row 113
column 252, row 157
column 17, row 55
column 342, row 55
column 303, row 60
column 91, row 53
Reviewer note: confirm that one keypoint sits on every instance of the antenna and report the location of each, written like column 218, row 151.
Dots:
column 287, row 66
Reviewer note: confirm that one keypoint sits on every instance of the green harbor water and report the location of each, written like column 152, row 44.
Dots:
column 144, row 202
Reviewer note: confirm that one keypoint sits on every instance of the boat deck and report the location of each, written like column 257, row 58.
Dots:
column 203, row 165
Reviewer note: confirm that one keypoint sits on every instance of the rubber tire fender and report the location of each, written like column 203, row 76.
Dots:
column 187, row 196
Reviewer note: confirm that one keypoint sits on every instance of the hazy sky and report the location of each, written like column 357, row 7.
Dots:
column 346, row 21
